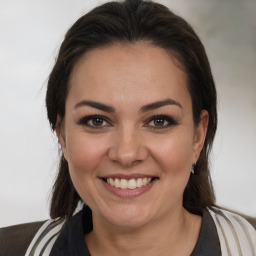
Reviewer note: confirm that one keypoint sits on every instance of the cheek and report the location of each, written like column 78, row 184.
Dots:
column 174, row 156
column 84, row 153
column 85, row 156
column 174, row 153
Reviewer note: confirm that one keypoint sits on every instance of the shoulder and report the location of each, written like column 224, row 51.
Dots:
column 236, row 234
column 14, row 240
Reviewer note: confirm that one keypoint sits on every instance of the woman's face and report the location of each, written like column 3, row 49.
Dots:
column 128, row 133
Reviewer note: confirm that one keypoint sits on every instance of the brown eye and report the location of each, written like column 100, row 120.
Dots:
column 94, row 121
column 97, row 121
column 161, row 121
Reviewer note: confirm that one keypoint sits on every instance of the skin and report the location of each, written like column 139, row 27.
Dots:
column 128, row 141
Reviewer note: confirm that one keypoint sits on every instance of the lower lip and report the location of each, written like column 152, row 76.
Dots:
column 127, row 193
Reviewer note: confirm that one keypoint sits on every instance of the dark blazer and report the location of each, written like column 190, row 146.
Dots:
column 15, row 240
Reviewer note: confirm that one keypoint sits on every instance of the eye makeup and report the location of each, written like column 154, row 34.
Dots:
column 161, row 122
column 94, row 121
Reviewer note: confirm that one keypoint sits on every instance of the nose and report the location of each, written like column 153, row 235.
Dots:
column 128, row 148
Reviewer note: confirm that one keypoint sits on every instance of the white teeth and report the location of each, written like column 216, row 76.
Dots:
column 111, row 182
column 139, row 182
column 123, row 184
column 144, row 181
column 130, row 184
column 117, row 183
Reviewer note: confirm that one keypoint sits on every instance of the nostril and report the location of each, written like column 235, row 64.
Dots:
column 128, row 154
column 126, row 164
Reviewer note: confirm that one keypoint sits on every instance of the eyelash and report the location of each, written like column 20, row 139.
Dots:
column 85, row 121
column 168, row 121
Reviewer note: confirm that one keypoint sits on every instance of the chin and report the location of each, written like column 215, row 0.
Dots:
column 128, row 223
column 128, row 217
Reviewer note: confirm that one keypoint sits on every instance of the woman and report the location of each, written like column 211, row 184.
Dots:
column 133, row 103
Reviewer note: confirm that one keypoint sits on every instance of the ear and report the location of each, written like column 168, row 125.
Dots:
column 199, row 135
column 60, row 131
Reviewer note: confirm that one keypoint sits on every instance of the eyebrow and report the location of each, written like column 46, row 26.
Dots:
column 95, row 104
column 110, row 109
column 159, row 104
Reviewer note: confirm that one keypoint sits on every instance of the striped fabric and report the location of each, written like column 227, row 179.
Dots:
column 237, row 236
column 45, row 238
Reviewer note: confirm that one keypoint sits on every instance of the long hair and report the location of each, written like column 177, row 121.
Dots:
column 131, row 21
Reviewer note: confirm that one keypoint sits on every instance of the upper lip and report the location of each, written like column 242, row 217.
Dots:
column 127, row 176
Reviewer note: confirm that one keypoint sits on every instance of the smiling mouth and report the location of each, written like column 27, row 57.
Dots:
column 128, row 184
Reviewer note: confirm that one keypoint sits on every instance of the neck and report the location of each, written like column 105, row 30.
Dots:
column 175, row 234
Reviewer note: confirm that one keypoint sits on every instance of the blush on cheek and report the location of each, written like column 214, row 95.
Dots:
column 85, row 155
column 174, row 158
column 171, row 147
column 82, row 162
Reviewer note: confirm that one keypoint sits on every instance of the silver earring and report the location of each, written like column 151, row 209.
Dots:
column 193, row 168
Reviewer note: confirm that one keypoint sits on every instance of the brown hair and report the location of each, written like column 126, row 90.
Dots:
column 128, row 22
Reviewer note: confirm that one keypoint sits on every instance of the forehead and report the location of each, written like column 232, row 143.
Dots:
column 127, row 72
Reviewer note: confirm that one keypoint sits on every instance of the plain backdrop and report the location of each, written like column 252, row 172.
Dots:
column 30, row 35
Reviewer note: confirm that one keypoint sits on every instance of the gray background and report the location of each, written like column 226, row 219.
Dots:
column 30, row 35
